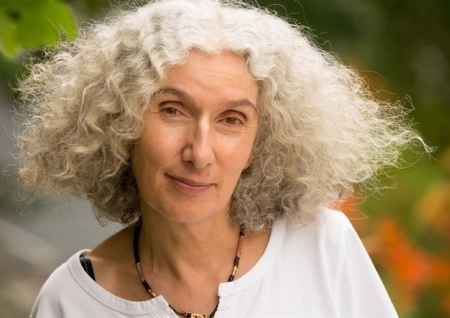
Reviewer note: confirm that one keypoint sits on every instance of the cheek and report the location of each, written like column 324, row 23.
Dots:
column 158, row 144
column 146, row 159
column 239, row 154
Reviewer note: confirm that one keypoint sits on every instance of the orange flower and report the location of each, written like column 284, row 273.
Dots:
column 433, row 210
column 440, row 272
column 408, row 265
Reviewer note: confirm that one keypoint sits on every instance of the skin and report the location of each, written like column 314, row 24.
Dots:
column 197, row 140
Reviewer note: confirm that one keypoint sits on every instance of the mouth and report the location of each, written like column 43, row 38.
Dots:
column 190, row 186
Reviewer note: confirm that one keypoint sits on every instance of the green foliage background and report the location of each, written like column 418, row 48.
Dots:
column 401, row 47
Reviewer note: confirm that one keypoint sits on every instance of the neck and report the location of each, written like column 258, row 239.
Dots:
column 204, row 249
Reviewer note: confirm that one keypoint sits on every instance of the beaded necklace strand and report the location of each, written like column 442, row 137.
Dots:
column 147, row 287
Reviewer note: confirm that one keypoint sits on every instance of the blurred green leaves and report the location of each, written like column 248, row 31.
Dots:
column 28, row 24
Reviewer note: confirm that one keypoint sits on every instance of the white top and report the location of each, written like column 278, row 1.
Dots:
column 318, row 270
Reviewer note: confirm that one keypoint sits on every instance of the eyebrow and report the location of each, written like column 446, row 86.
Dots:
column 183, row 95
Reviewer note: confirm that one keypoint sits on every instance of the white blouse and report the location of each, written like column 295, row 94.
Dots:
column 318, row 270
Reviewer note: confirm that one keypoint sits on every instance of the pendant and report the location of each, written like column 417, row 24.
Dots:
column 198, row 316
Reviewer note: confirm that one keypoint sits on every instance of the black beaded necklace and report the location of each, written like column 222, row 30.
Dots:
column 147, row 287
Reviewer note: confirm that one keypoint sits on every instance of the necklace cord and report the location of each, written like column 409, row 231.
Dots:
column 146, row 285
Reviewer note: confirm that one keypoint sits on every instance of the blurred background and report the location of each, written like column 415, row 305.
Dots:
column 401, row 48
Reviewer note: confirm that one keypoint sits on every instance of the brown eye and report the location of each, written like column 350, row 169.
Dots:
column 233, row 120
column 170, row 111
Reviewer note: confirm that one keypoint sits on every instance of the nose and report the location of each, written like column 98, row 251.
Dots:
column 199, row 150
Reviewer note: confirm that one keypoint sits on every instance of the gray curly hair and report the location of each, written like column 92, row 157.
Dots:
column 321, row 131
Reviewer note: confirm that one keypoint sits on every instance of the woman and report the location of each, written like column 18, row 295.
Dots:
column 221, row 136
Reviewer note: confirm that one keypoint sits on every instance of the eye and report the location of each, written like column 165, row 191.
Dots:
column 170, row 111
column 233, row 120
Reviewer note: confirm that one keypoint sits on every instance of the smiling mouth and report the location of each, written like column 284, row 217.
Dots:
column 190, row 186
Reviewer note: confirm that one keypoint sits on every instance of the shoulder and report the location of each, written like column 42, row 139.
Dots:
column 333, row 245
column 70, row 292
column 330, row 242
column 335, row 227
column 332, row 220
column 62, row 276
column 61, row 284
column 324, row 244
column 330, row 227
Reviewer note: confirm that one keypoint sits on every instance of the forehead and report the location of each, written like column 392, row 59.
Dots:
column 223, row 72
column 221, row 61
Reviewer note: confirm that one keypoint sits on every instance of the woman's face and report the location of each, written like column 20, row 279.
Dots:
column 197, row 138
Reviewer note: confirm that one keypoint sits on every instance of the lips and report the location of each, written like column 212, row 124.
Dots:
column 190, row 186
